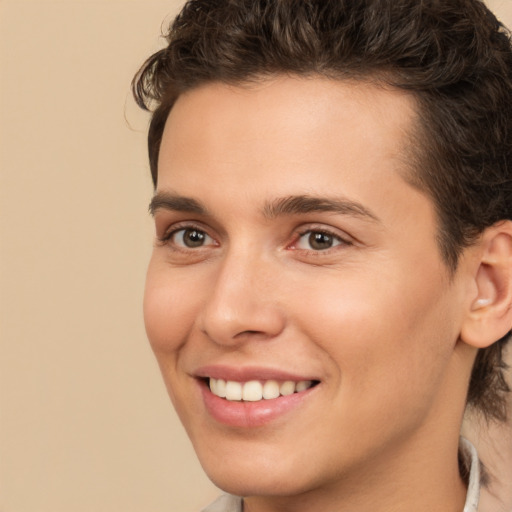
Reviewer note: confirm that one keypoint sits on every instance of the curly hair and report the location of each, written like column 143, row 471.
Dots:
column 454, row 56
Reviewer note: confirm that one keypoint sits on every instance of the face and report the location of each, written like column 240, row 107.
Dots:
column 297, row 274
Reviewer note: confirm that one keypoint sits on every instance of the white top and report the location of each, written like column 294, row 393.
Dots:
column 470, row 455
column 228, row 503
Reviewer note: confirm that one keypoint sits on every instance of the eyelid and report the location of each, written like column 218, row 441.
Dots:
column 171, row 230
column 343, row 238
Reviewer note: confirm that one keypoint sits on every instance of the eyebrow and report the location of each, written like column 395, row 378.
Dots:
column 302, row 204
column 174, row 202
column 291, row 205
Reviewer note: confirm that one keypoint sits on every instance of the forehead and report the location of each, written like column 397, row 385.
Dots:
column 284, row 117
column 288, row 136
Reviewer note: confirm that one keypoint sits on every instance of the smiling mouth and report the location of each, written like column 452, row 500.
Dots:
column 255, row 390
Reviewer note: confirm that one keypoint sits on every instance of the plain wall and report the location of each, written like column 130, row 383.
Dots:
column 85, row 422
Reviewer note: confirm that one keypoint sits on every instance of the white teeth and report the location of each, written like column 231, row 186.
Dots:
column 220, row 388
column 233, row 390
column 303, row 385
column 254, row 390
column 270, row 389
column 287, row 388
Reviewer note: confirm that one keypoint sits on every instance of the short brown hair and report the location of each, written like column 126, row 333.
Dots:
column 452, row 55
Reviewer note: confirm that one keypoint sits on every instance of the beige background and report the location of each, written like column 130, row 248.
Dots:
column 85, row 423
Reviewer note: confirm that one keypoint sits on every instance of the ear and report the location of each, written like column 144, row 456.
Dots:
column 489, row 316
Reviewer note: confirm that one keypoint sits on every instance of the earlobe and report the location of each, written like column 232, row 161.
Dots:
column 490, row 314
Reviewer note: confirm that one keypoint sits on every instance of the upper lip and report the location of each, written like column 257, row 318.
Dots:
column 247, row 373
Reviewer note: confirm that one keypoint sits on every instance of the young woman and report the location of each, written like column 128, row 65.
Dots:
column 331, row 282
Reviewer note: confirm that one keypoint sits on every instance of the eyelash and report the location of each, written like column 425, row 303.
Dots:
column 337, row 240
column 166, row 239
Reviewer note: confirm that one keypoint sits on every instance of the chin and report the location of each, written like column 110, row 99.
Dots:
column 256, row 484
column 248, row 474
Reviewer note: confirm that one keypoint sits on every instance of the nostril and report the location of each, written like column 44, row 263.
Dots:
column 254, row 335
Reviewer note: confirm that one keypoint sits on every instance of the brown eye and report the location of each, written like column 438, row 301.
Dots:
column 191, row 238
column 318, row 241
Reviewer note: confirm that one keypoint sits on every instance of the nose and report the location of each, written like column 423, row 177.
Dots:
column 243, row 302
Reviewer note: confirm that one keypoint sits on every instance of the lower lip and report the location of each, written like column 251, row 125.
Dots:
column 251, row 414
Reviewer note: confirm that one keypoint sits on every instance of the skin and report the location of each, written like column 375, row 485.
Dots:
column 376, row 318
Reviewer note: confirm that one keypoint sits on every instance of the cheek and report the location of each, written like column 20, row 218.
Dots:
column 386, row 334
column 169, row 315
column 168, row 309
